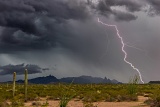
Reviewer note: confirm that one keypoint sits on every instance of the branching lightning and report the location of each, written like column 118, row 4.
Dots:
column 131, row 46
column 134, row 47
column 123, row 45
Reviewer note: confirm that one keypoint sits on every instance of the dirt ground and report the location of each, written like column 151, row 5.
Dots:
column 74, row 103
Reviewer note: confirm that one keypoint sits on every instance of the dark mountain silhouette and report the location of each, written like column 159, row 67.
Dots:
column 105, row 80
column 154, row 82
column 88, row 80
column 44, row 80
column 115, row 81
column 41, row 80
column 82, row 79
column 79, row 80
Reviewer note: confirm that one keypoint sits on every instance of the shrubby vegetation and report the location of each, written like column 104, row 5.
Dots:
column 88, row 93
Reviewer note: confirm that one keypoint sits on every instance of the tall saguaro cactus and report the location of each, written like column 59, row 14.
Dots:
column 25, row 84
column 14, row 83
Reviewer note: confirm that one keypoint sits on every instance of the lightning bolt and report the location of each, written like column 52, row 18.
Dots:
column 123, row 45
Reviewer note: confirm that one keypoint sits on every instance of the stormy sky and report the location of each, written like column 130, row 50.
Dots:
column 63, row 38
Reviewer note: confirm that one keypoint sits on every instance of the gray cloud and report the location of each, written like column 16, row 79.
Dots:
column 65, row 33
column 104, row 8
column 122, row 16
column 32, row 24
column 131, row 5
column 36, row 25
column 19, row 69
column 154, row 8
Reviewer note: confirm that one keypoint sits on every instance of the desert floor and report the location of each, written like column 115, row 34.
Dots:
column 74, row 103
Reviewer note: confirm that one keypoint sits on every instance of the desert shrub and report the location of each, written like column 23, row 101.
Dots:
column 54, row 95
column 106, row 96
column 67, row 93
column 32, row 96
column 35, row 103
column 129, row 98
column 132, row 85
column 154, row 100
column 16, row 102
column 152, row 103
column 85, row 92
column 6, row 95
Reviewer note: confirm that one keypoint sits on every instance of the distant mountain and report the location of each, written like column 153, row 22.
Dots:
column 154, row 82
column 79, row 80
column 87, row 80
column 105, row 80
column 82, row 79
column 41, row 80
column 115, row 81
column 44, row 80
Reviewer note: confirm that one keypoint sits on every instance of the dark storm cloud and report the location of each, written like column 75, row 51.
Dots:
column 42, row 24
column 122, row 16
column 32, row 24
column 68, row 9
column 45, row 69
column 154, row 7
column 130, row 5
column 104, row 8
column 19, row 69
column 37, row 26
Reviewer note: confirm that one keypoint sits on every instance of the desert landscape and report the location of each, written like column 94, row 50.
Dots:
column 131, row 94
column 79, row 53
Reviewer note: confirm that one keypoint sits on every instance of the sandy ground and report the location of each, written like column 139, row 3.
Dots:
column 73, row 103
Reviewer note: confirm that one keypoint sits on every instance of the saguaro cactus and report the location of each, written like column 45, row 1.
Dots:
column 25, row 84
column 14, row 83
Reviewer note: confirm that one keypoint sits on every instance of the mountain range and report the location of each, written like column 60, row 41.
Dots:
column 78, row 80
